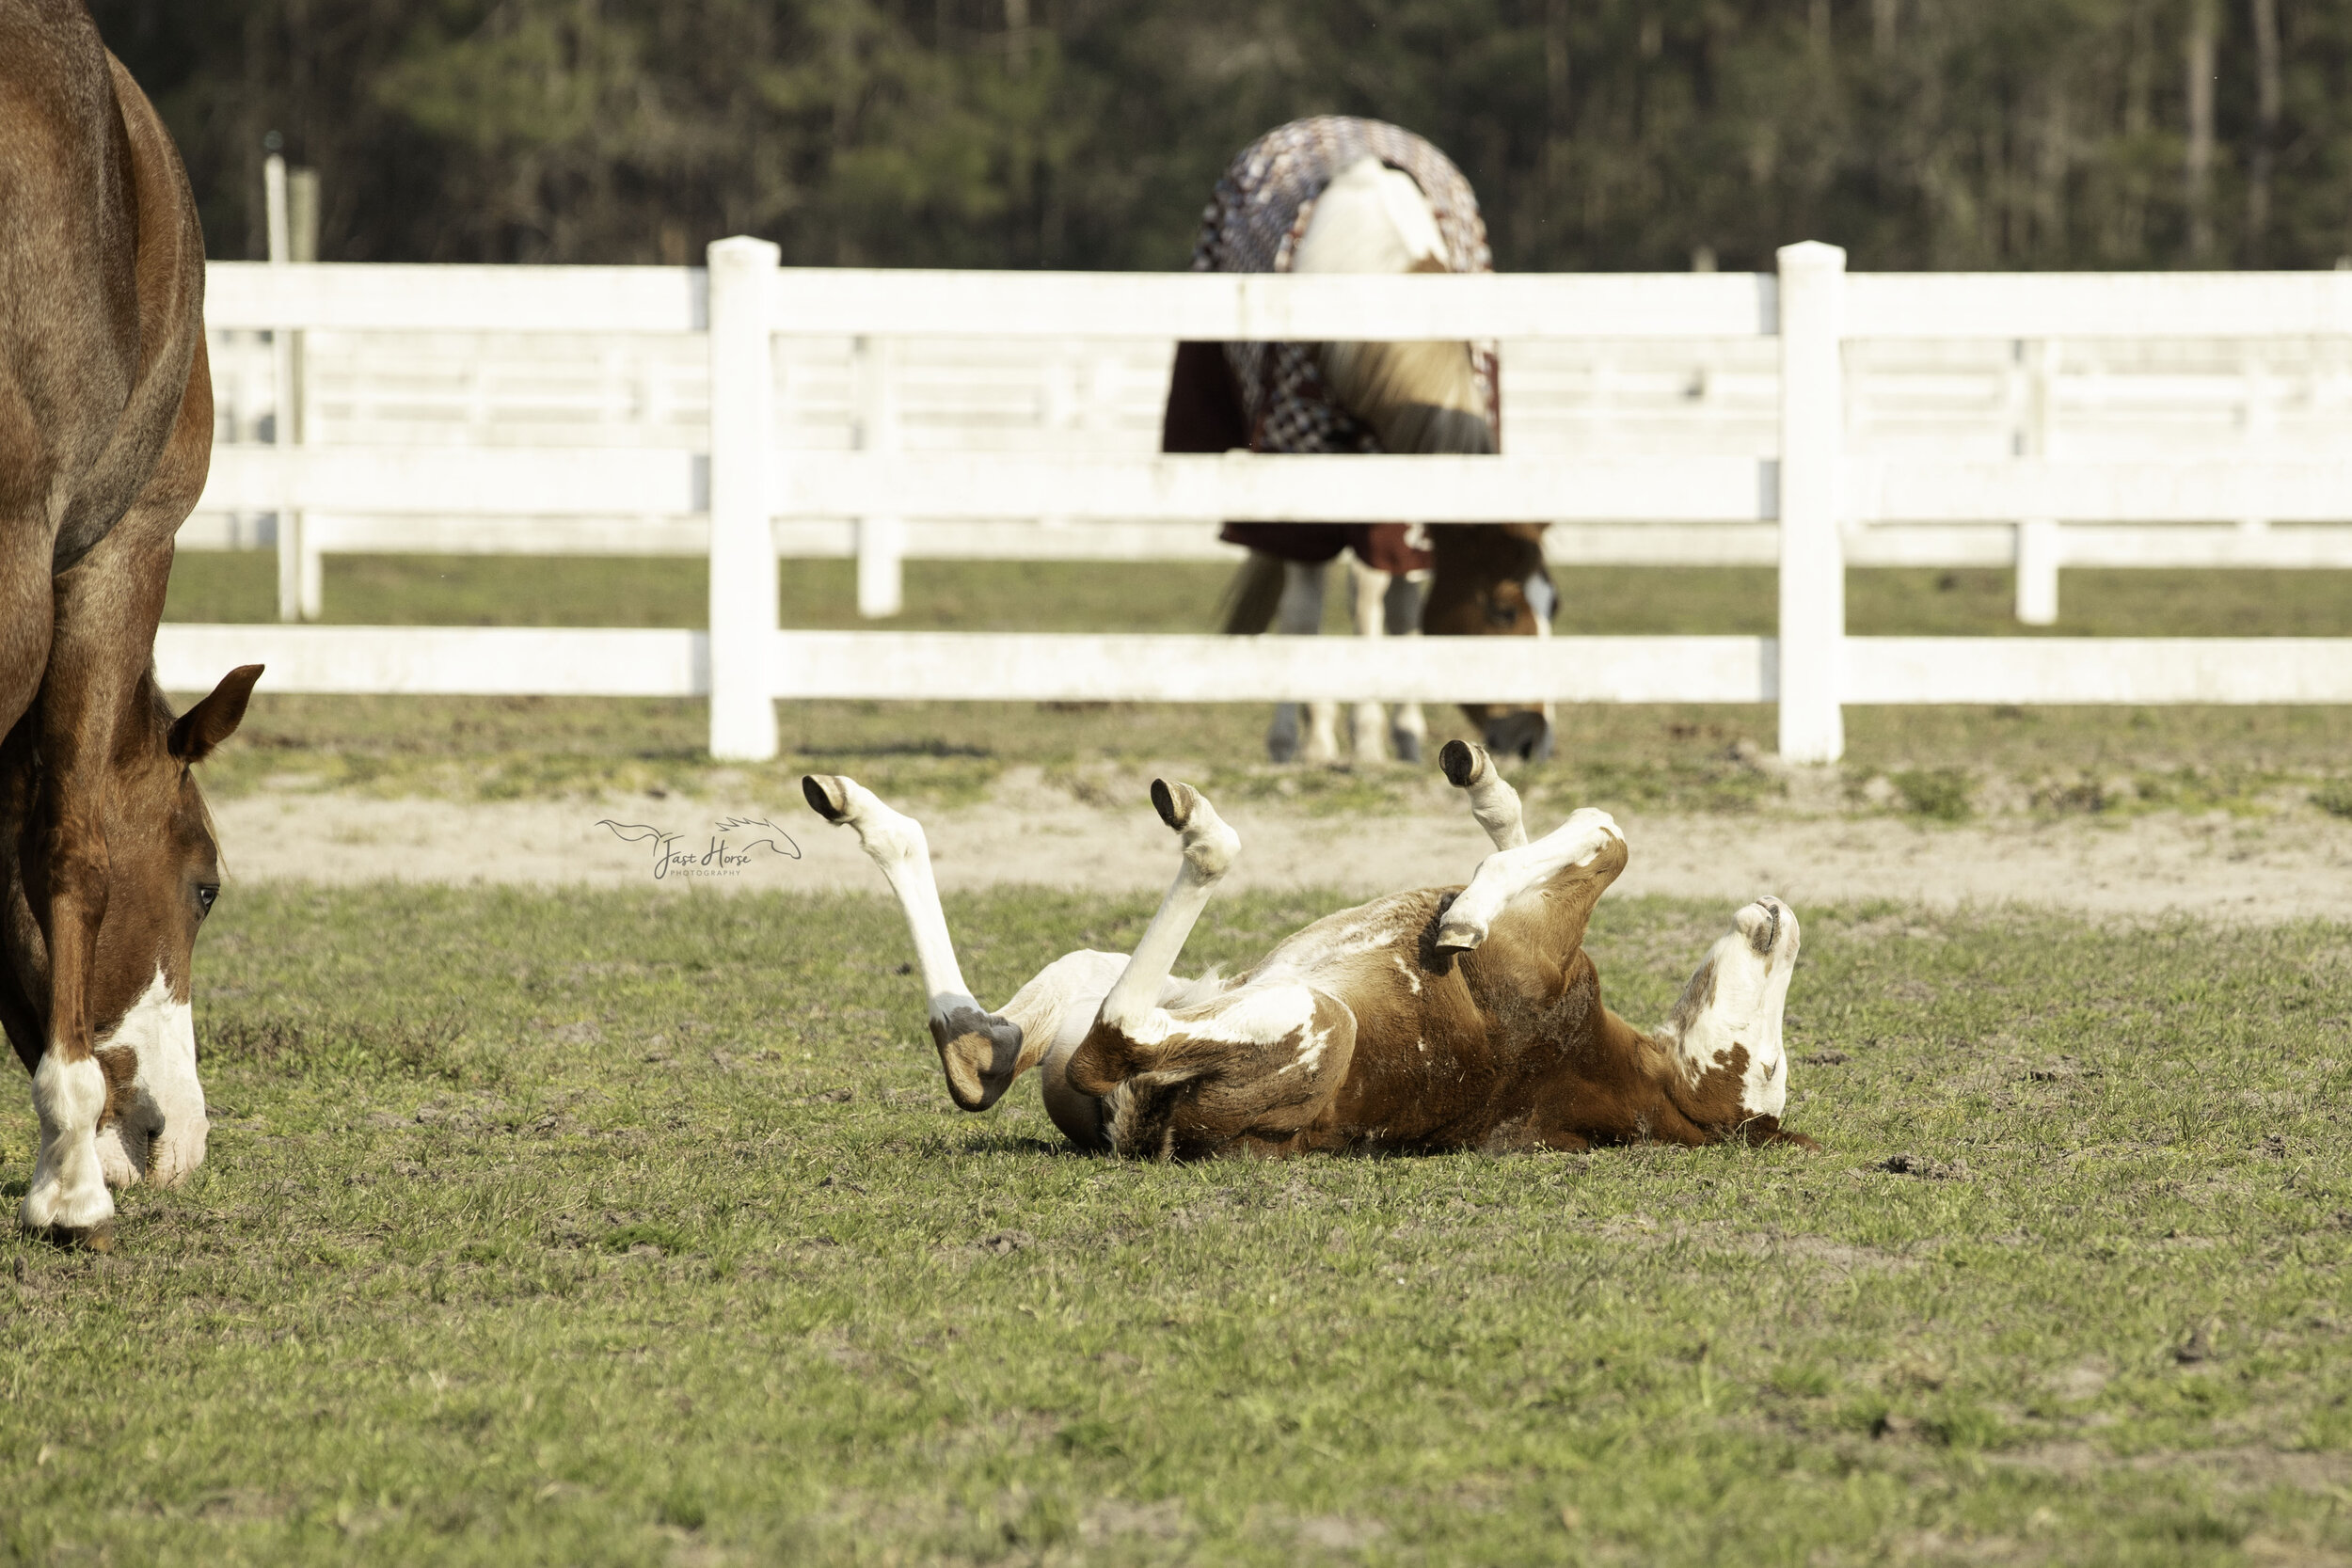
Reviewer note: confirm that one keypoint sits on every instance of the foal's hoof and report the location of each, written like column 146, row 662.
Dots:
column 1462, row 764
column 979, row 1053
column 1174, row 802
column 826, row 796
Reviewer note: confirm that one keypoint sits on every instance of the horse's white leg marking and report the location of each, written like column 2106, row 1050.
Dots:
column 1370, row 719
column 1507, row 874
column 1492, row 800
column 160, row 1135
column 68, row 1187
column 1736, row 999
column 1323, row 732
column 1369, row 218
column 1209, row 848
column 1545, row 603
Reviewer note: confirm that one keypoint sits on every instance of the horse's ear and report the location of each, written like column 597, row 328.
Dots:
column 197, row 732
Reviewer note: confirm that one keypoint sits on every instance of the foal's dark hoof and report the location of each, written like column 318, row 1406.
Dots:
column 825, row 797
column 1459, row 763
column 1524, row 735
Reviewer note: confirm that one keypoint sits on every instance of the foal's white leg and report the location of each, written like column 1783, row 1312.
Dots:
column 1492, row 800
column 1510, row 873
column 1370, row 720
column 1209, row 848
column 68, row 1187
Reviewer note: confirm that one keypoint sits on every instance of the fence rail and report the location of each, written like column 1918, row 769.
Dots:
column 743, row 499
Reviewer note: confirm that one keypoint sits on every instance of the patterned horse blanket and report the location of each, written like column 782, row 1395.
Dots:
column 1254, row 222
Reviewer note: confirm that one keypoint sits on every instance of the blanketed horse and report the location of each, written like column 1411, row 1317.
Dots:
column 108, row 860
column 1439, row 1019
column 1340, row 195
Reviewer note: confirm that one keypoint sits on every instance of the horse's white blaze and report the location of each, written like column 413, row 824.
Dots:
column 69, row 1185
column 1370, row 218
column 161, row 1134
column 1736, row 1000
column 1508, row 875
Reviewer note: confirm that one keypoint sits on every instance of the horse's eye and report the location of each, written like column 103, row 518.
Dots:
column 206, row 892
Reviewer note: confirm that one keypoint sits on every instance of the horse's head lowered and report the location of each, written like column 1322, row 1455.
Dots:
column 162, row 875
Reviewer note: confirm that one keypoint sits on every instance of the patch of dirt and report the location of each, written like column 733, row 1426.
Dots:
column 2142, row 866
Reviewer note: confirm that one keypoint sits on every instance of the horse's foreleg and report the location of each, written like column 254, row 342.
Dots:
column 1300, row 614
column 981, row 1052
column 1370, row 724
column 70, row 877
column 1401, row 614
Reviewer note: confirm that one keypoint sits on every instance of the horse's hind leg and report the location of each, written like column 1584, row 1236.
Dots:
column 981, row 1052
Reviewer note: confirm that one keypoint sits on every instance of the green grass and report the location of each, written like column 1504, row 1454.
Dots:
column 2052, row 761
column 620, row 1228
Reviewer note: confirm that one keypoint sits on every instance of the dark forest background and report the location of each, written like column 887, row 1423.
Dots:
column 1601, row 134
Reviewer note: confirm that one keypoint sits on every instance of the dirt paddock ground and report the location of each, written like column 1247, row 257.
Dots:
column 2292, row 865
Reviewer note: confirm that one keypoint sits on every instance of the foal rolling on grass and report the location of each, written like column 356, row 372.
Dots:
column 1439, row 1019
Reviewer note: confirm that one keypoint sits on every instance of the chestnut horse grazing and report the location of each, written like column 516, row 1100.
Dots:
column 107, row 854
column 1441, row 1019
column 1339, row 194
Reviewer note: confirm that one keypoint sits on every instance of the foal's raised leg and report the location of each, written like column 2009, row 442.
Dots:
column 1260, row 1060
column 1559, row 877
column 980, row 1052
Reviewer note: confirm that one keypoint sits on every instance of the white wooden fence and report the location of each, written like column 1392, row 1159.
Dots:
column 2117, row 399
column 1809, row 495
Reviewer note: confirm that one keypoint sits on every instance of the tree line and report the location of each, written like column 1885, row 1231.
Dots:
column 1601, row 134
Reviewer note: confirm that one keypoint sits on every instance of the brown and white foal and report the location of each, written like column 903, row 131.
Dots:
column 1438, row 1018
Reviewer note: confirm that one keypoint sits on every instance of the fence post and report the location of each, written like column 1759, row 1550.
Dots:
column 299, row 571
column 743, row 605
column 880, row 540
column 2039, row 541
column 1812, row 554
